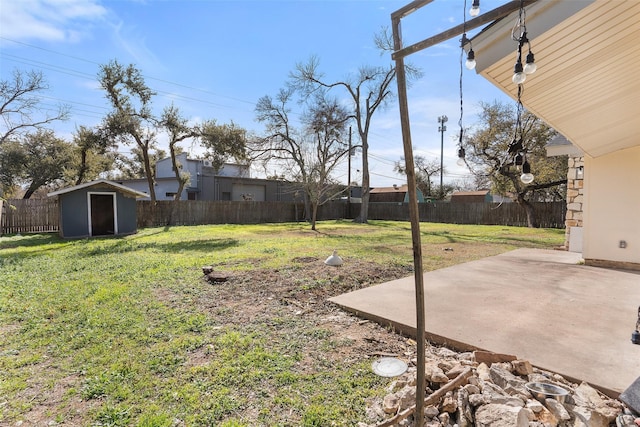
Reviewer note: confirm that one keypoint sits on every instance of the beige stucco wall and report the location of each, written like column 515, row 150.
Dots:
column 612, row 208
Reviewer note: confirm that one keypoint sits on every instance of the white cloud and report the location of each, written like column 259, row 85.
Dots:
column 48, row 20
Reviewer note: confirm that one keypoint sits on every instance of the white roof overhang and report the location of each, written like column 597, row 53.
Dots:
column 588, row 56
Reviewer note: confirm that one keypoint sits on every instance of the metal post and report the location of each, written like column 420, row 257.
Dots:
column 349, row 173
column 442, row 128
column 414, row 215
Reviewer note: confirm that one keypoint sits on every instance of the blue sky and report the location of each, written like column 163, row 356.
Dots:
column 214, row 59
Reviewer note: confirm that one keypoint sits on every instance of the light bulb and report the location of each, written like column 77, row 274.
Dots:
column 518, row 74
column 526, row 178
column 475, row 8
column 530, row 67
column 461, row 154
column 471, row 60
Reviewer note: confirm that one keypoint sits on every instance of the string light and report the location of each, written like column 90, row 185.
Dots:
column 519, row 34
column 475, row 8
column 516, row 149
column 470, row 64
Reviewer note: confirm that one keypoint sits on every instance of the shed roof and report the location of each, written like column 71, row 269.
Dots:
column 106, row 182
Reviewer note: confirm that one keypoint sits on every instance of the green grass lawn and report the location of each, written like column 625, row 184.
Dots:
column 112, row 331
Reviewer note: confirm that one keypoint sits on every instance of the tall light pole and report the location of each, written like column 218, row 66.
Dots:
column 442, row 120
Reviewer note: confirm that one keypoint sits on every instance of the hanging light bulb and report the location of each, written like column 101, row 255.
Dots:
column 475, row 8
column 518, row 73
column 527, row 176
column 461, row 155
column 530, row 67
column 471, row 60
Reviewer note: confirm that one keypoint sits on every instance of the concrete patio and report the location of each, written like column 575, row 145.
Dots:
column 540, row 305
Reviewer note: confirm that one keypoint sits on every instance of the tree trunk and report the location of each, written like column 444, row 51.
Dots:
column 364, row 206
column 83, row 166
column 532, row 221
column 314, row 215
column 147, row 169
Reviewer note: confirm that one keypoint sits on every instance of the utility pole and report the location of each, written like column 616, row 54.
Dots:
column 442, row 128
column 349, row 173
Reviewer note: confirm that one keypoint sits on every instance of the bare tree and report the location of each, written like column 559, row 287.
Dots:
column 326, row 124
column 368, row 89
column 307, row 156
column 425, row 169
column 20, row 107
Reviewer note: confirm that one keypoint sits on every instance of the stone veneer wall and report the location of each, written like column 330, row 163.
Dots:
column 575, row 195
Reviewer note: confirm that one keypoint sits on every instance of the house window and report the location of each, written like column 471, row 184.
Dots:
column 226, row 195
column 169, row 195
column 191, row 196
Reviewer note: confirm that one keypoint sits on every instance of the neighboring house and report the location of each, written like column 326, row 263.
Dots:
column 481, row 196
column 230, row 182
column 397, row 194
column 584, row 88
column 97, row 208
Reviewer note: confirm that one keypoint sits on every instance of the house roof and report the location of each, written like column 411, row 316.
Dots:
column 394, row 189
column 584, row 86
column 103, row 182
column 560, row 145
column 470, row 193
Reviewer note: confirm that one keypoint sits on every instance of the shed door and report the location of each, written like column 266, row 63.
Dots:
column 102, row 214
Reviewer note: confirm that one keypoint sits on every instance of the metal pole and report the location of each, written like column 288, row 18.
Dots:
column 349, row 174
column 414, row 214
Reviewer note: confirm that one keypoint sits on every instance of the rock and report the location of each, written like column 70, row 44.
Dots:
column 449, row 403
column 490, row 358
column 465, row 413
column 546, row 418
column 585, row 395
column 444, row 418
column 535, row 406
column 407, row 397
column 522, row 367
column 434, row 374
column 446, row 353
column 476, row 400
column 503, row 379
column 557, row 409
column 390, row 403
column 483, row 372
column 431, row 411
column 472, row 389
column 454, row 371
column 217, row 277
column 585, row 417
column 494, row 394
column 496, row 415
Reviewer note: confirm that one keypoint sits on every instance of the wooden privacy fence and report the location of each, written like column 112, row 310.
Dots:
column 28, row 216
column 41, row 215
